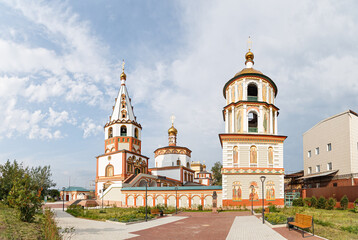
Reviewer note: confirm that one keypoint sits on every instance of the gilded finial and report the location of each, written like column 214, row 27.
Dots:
column 172, row 118
column 123, row 75
column 249, row 55
column 249, row 43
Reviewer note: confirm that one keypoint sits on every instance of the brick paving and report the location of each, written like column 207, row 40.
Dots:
column 197, row 225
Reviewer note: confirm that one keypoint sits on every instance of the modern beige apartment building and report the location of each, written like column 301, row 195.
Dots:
column 330, row 151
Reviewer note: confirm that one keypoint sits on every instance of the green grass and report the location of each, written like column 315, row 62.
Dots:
column 113, row 214
column 331, row 224
column 11, row 227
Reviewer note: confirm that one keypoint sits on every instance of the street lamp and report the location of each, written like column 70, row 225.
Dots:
column 252, row 199
column 146, row 194
column 63, row 199
column 102, row 195
column 176, row 199
column 263, row 178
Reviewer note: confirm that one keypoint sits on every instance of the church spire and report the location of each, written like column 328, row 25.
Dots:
column 249, row 55
column 123, row 109
column 172, row 133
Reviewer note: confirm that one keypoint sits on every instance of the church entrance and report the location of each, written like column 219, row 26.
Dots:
column 136, row 171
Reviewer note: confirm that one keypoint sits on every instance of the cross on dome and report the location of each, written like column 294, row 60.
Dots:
column 123, row 75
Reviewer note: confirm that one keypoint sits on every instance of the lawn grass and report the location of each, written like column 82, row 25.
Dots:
column 11, row 227
column 113, row 214
column 331, row 224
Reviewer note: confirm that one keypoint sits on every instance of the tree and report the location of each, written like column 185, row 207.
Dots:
column 9, row 173
column 216, row 169
column 344, row 202
column 24, row 196
column 41, row 178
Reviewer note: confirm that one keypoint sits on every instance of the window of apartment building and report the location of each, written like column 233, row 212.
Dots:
column 309, row 153
column 329, row 147
column 309, row 170
column 335, row 184
column 317, row 151
column 329, row 166
column 318, row 168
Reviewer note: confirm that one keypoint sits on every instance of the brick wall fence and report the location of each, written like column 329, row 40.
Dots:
column 335, row 192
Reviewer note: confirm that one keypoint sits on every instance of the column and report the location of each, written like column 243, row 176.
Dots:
column 230, row 95
column 244, row 90
column 244, row 119
column 260, row 121
column 226, row 121
column 233, row 119
column 236, row 92
column 271, row 124
column 259, row 89
column 276, row 113
column 267, row 93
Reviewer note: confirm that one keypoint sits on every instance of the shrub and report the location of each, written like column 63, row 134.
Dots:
column 276, row 218
column 321, row 204
column 356, row 202
column 307, row 202
column 50, row 229
column 200, row 207
column 331, row 203
column 273, row 208
column 344, row 202
column 298, row 202
column 313, row 201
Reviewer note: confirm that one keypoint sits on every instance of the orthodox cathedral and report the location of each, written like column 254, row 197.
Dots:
column 252, row 153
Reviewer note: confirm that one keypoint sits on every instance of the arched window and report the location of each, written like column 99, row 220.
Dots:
column 123, row 131
column 110, row 132
column 252, row 92
column 235, row 154
column 252, row 122
column 124, row 114
column 270, row 156
column 109, row 171
column 188, row 165
column 253, row 156
column 136, row 132
column 178, row 162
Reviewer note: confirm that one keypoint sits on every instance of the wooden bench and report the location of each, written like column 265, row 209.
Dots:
column 154, row 211
column 303, row 221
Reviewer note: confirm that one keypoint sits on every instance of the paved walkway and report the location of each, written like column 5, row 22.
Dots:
column 90, row 229
column 251, row 228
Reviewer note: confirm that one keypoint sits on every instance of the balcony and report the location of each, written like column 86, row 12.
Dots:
column 253, row 129
column 252, row 98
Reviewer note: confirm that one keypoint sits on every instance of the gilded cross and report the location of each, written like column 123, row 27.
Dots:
column 249, row 43
column 123, row 65
column 172, row 118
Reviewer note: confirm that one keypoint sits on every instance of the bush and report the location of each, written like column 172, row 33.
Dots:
column 273, row 208
column 298, row 202
column 307, row 202
column 275, row 218
column 331, row 203
column 321, row 204
column 313, row 201
column 356, row 202
column 200, row 207
column 344, row 202
column 50, row 229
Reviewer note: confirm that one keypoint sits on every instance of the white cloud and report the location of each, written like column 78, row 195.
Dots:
column 58, row 118
column 90, row 128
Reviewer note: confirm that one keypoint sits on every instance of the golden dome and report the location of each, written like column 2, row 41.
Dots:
column 248, row 70
column 172, row 131
column 249, row 57
column 123, row 76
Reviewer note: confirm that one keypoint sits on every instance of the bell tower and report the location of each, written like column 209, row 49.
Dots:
column 251, row 144
column 122, row 156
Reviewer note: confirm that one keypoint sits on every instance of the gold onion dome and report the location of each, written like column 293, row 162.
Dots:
column 249, row 57
column 172, row 130
column 123, row 76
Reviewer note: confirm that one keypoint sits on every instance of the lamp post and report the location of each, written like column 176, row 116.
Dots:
column 176, row 199
column 102, row 195
column 63, row 199
column 252, row 199
column 146, row 194
column 263, row 178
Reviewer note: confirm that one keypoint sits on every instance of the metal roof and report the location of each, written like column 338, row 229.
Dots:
column 322, row 174
column 78, row 189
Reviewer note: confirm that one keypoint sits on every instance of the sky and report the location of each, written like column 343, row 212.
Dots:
column 60, row 63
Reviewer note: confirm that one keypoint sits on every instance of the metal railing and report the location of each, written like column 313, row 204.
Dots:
column 252, row 98
column 252, row 129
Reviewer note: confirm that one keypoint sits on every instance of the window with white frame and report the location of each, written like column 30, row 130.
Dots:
column 309, row 153
column 329, row 166
column 309, row 170
column 329, row 147
column 318, row 168
column 317, row 150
